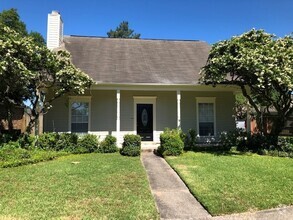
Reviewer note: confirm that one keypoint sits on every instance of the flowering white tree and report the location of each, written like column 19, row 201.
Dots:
column 262, row 66
column 29, row 70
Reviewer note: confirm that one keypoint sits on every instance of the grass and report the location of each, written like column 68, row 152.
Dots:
column 89, row 186
column 227, row 184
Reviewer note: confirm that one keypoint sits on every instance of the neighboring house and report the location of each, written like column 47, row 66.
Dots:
column 142, row 87
column 18, row 120
column 267, row 123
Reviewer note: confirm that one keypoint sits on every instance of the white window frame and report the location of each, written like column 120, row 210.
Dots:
column 205, row 100
column 145, row 100
column 73, row 99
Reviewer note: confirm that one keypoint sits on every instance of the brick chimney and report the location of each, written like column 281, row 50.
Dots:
column 54, row 30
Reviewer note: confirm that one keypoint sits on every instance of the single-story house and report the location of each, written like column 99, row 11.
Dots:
column 142, row 87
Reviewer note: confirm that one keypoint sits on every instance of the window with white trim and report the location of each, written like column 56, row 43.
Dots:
column 79, row 117
column 206, row 116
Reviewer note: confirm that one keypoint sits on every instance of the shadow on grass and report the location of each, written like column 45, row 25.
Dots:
column 217, row 151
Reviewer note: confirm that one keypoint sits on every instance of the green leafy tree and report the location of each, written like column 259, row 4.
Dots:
column 37, row 38
column 54, row 76
column 123, row 31
column 262, row 66
column 31, row 72
column 240, row 107
column 13, row 73
column 11, row 19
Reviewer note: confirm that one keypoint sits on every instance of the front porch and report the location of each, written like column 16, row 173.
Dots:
column 130, row 110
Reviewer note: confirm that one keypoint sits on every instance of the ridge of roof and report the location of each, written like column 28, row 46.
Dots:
column 142, row 39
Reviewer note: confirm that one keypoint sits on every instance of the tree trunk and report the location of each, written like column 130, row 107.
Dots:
column 9, row 115
column 10, row 120
column 31, row 124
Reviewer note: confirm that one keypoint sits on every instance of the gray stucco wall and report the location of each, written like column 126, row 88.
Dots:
column 57, row 118
column 224, row 110
column 103, row 111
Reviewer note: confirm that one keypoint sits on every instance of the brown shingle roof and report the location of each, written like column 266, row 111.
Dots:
column 129, row 61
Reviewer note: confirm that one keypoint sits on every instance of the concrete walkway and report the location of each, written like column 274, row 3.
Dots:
column 174, row 201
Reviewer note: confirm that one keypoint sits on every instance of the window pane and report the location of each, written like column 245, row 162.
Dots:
column 79, row 116
column 78, row 119
column 206, row 128
column 85, row 118
column 206, row 112
column 206, row 119
column 79, row 127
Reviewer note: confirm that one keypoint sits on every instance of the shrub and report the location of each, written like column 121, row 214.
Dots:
column 67, row 142
column 87, row 143
column 230, row 139
column 263, row 152
column 256, row 143
column 190, row 140
column 5, row 138
column 171, row 143
column 47, row 141
column 57, row 142
column 286, row 145
column 131, row 145
column 27, row 141
column 108, row 145
column 79, row 150
column 11, row 156
column 11, row 151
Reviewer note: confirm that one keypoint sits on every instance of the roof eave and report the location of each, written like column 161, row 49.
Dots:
column 164, row 87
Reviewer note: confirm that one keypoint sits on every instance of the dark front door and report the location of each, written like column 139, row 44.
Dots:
column 144, row 121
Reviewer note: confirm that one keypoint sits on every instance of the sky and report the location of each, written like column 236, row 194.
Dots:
column 206, row 20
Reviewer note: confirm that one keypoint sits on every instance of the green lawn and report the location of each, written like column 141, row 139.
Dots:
column 99, row 186
column 236, row 183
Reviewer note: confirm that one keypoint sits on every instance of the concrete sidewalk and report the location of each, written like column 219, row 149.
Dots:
column 174, row 201
column 285, row 213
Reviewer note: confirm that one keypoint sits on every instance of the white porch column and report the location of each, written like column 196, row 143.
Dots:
column 118, row 116
column 178, row 109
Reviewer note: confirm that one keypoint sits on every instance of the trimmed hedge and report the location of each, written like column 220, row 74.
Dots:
column 108, row 145
column 171, row 143
column 131, row 145
column 69, row 142
column 47, row 141
column 87, row 143
column 66, row 141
